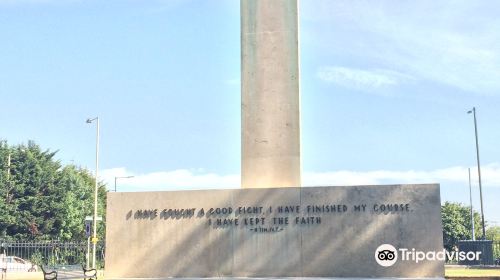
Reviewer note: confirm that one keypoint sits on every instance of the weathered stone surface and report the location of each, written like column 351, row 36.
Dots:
column 339, row 243
column 270, row 102
column 252, row 251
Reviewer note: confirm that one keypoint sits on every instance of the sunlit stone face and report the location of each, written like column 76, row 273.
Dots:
column 277, row 232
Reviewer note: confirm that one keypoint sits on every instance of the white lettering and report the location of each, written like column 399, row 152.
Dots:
column 420, row 256
column 430, row 256
column 404, row 255
column 441, row 255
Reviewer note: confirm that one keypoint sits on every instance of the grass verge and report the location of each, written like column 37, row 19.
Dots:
column 471, row 272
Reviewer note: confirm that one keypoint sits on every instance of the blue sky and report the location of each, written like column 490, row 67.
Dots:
column 385, row 87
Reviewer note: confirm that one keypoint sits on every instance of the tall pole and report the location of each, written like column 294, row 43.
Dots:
column 479, row 171
column 8, row 178
column 471, row 211
column 8, row 168
column 94, row 219
column 94, row 235
column 88, row 250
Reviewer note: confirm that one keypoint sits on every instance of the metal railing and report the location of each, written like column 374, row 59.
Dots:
column 47, row 253
column 496, row 249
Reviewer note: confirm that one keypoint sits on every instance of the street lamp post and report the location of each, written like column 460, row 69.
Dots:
column 122, row 177
column 471, row 211
column 8, row 168
column 94, row 219
column 473, row 111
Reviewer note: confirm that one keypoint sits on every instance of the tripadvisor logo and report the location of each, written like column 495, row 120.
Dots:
column 387, row 255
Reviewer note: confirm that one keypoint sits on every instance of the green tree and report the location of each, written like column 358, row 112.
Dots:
column 79, row 202
column 457, row 224
column 493, row 233
column 41, row 199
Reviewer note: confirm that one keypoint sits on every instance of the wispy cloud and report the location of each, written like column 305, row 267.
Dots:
column 359, row 79
column 180, row 179
column 454, row 43
column 458, row 175
column 184, row 179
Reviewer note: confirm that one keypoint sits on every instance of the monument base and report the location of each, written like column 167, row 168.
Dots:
column 278, row 278
column 346, row 231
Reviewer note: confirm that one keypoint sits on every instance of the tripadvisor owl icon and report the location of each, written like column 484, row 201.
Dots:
column 386, row 255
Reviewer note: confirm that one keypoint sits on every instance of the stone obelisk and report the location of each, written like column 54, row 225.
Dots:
column 270, row 94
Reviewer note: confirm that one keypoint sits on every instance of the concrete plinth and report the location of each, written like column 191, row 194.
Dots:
column 270, row 94
column 278, row 232
column 286, row 278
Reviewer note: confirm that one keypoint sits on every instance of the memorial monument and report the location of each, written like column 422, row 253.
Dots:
column 270, row 102
column 272, row 227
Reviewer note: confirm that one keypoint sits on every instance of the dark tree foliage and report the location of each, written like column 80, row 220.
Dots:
column 42, row 200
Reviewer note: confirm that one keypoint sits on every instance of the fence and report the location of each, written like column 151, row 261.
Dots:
column 496, row 249
column 47, row 253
